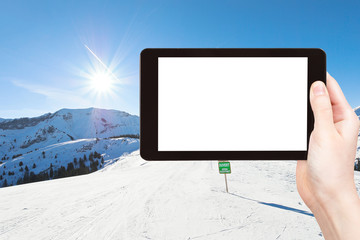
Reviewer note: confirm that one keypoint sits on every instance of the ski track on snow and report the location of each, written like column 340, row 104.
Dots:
column 135, row 199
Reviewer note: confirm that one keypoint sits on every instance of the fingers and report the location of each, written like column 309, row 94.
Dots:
column 341, row 108
column 344, row 117
column 321, row 106
column 336, row 95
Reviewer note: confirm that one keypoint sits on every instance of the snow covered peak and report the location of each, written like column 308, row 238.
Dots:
column 95, row 122
column 26, row 134
column 91, row 111
column 65, row 114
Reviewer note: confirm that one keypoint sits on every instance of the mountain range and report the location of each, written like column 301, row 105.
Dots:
column 54, row 140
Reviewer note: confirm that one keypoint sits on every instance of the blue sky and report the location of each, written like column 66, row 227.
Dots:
column 45, row 66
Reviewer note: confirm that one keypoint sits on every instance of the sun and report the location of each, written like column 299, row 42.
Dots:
column 99, row 79
column 101, row 82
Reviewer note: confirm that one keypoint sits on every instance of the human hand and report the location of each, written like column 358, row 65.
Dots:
column 326, row 180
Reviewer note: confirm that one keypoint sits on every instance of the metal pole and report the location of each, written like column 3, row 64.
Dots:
column 227, row 190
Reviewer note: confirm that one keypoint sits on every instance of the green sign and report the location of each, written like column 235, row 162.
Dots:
column 224, row 167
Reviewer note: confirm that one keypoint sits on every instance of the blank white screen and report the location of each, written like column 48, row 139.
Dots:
column 232, row 103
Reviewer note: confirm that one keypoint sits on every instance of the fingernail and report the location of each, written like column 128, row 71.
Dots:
column 319, row 89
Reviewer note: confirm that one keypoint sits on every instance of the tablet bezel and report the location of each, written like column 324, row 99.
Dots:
column 149, row 100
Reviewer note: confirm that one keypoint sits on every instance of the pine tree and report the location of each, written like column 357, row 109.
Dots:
column 61, row 172
column 21, row 169
column 32, row 177
column 34, row 165
column 19, row 181
column 81, row 163
column 51, row 172
column 20, row 163
column 26, row 168
column 26, row 177
column 93, row 167
column 70, row 167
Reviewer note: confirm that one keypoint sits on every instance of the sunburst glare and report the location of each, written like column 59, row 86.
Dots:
column 101, row 82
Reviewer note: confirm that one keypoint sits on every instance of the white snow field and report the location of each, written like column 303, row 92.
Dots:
column 136, row 199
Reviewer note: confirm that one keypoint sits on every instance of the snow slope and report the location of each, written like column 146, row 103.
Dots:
column 61, row 154
column 134, row 199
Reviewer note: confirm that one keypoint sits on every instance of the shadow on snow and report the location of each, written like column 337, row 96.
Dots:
column 277, row 205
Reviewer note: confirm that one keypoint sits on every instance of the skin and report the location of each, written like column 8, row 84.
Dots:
column 325, row 181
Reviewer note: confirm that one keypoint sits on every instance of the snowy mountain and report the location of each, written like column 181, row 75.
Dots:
column 36, row 146
column 25, row 134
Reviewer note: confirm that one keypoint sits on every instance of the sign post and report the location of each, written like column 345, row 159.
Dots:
column 224, row 168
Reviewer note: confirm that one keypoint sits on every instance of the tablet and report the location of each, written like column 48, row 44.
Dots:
column 227, row 104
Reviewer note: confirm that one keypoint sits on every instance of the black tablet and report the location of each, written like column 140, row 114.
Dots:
column 227, row 104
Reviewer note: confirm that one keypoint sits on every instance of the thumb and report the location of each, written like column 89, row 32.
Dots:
column 321, row 106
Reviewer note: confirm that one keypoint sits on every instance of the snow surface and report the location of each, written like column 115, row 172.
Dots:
column 61, row 154
column 136, row 199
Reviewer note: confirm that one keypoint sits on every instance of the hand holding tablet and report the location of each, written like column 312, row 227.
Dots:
column 231, row 104
column 326, row 180
column 195, row 103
